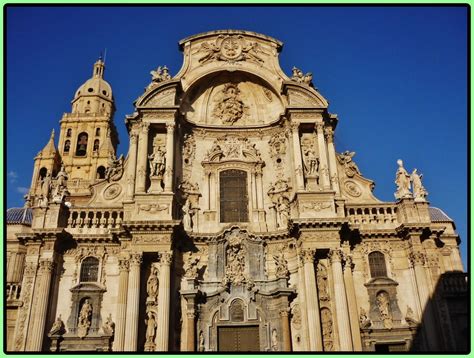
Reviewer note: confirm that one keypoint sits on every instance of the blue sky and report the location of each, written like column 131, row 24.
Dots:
column 396, row 77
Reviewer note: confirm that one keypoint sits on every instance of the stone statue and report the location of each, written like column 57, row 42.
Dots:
column 152, row 284
column 46, row 188
column 327, row 329
column 281, row 265
column 311, row 162
column 274, row 340
column 160, row 74
column 363, row 319
column 60, row 191
column 201, row 342
column 84, row 321
column 191, row 266
column 114, row 167
column 383, row 303
column 235, row 267
column 322, row 282
column 410, row 317
column 150, row 327
column 300, row 77
column 403, row 182
column 188, row 213
column 419, row 190
column 109, row 326
column 283, row 210
column 350, row 168
column 157, row 161
column 229, row 108
column 58, row 327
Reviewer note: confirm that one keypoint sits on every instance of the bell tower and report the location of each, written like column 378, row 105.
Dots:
column 88, row 137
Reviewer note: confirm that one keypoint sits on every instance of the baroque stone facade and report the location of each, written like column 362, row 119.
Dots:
column 231, row 224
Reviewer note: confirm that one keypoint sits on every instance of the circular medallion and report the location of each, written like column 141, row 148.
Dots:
column 112, row 191
column 352, row 188
column 231, row 48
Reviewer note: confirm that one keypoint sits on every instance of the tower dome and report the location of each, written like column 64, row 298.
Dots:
column 95, row 95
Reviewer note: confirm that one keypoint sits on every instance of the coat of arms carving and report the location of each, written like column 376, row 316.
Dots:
column 231, row 48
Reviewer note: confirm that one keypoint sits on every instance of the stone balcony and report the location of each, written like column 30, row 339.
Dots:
column 381, row 216
column 13, row 292
column 97, row 221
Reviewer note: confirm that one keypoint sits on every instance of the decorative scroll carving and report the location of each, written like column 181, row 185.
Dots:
column 189, row 148
column 300, row 77
column 230, row 48
column 166, row 258
column 229, row 106
column 315, row 206
column 417, row 258
column 296, row 316
column 307, row 255
column 352, row 188
column 112, row 191
column 281, row 265
column 345, row 159
column 327, row 330
column 191, row 265
column 277, row 145
column 229, row 148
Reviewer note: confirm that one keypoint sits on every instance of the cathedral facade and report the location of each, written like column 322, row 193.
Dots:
column 232, row 224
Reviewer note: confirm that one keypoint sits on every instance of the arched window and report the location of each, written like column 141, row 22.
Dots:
column 90, row 269
column 97, row 132
column 96, row 145
column 377, row 264
column 81, row 149
column 68, row 132
column 100, row 172
column 233, row 196
column 67, row 146
column 42, row 173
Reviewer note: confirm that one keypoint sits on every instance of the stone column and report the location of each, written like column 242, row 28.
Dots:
column 417, row 260
column 329, row 133
column 119, row 337
column 142, row 158
column 132, row 163
column 191, row 331
column 169, row 156
column 352, row 304
column 285, row 325
column 297, row 154
column 212, row 191
column 323, row 161
column 162, row 335
column 133, row 303
column 312, row 303
column 42, row 293
column 259, row 182
column 342, row 312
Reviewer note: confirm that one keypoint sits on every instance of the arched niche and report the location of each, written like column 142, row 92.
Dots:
column 237, row 99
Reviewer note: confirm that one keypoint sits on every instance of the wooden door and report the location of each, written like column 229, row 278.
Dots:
column 238, row 339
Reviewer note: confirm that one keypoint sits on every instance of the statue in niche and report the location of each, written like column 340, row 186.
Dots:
column 109, row 326
column 274, row 340
column 300, row 77
column 157, row 161
column 45, row 189
column 84, row 321
column 114, row 169
column 350, row 168
column 363, row 319
column 60, row 191
column 311, row 162
column 327, row 330
column 403, row 182
column 151, row 325
column 235, row 264
column 383, row 304
column 152, row 284
column 230, row 108
column 283, row 212
column 281, row 265
column 188, row 215
column 322, row 282
column 160, row 74
column 58, row 327
column 201, row 342
column 419, row 190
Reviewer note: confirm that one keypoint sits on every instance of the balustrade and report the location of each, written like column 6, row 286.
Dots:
column 88, row 218
column 13, row 291
column 372, row 214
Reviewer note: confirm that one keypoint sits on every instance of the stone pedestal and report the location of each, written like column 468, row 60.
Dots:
column 312, row 183
column 156, row 184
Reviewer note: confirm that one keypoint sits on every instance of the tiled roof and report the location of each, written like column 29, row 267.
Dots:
column 438, row 215
column 19, row 216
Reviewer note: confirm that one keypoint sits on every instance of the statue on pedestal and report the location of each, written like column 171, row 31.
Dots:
column 84, row 321
column 419, row 191
column 403, row 182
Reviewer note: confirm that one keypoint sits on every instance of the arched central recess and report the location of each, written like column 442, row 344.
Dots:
column 235, row 99
column 233, row 196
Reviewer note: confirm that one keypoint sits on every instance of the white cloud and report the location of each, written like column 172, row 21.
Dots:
column 13, row 176
column 22, row 190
